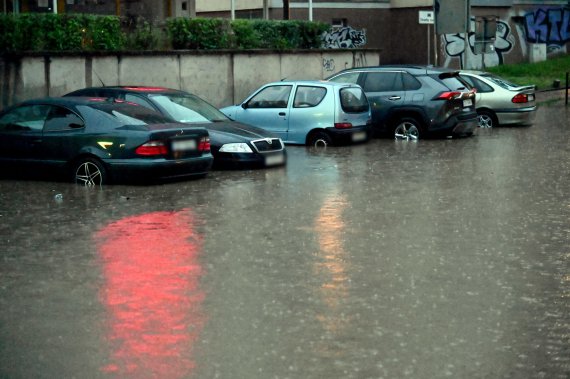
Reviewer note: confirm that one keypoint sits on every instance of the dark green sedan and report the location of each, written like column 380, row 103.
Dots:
column 93, row 141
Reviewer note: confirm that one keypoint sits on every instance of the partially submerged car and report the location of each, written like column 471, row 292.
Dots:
column 410, row 102
column 500, row 102
column 96, row 141
column 234, row 145
column 314, row 113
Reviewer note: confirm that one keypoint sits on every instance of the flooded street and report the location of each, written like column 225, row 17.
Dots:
column 436, row 259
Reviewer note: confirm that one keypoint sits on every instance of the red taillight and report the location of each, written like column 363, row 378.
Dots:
column 448, row 95
column 520, row 98
column 204, row 144
column 343, row 125
column 152, row 148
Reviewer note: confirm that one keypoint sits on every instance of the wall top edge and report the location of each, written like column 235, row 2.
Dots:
column 48, row 54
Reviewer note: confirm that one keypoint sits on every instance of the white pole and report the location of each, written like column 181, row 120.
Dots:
column 428, row 45
column 310, row 10
column 54, row 3
column 233, row 9
column 266, row 9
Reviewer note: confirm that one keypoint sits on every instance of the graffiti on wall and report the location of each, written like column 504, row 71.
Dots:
column 455, row 48
column 344, row 38
column 328, row 64
column 548, row 25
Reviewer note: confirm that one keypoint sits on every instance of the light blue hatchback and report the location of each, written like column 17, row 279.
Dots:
column 314, row 113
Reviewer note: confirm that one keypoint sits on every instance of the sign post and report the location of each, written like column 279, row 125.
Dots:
column 428, row 18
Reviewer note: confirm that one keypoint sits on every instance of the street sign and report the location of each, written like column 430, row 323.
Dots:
column 426, row 17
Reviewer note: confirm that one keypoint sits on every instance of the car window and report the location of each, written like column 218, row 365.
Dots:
column 477, row 83
column 60, row 118
column 25, row 118
column 383, row 82
column 411, row 83
column 349, row 77
column 271, row 97
column 353, row 100
column 105, row 115
column 307, row 96
column 454, row 83
column 501, row 82
column 188, row 108
column 139, row 100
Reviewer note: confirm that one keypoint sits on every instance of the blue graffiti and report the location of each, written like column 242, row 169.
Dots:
column 550, row 26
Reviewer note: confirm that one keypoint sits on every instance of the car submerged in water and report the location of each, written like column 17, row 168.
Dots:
column 313, row 113
column 234, row 145
column 409, row 102
column 500, row 102
column 94, row 141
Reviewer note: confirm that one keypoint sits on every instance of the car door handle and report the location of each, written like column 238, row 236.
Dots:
column 282, row 114
column 394, row 98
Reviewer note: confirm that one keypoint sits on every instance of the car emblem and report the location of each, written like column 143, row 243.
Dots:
column 268, row 140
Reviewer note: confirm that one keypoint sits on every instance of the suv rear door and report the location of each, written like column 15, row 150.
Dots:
column 385, row 90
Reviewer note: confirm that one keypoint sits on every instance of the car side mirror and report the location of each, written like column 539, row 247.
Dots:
column 244, row 105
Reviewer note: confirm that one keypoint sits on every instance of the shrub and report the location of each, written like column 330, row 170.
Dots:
column 198, row 33
column 56, row 32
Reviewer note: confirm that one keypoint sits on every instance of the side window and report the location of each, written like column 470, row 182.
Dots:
column 411, row 83
column 349, row 77
column 139, row 100
column 383, row 82
column 25, row 118
column 306, row 96
column 271, row 97
column 481, row 86
column 60, row 118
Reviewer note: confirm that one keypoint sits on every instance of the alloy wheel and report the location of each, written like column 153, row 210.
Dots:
column 88, row 174
column 407, row 131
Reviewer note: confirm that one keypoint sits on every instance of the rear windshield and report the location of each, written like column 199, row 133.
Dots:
column 121, row 114
column 500, row 81
column 454, row 83
column 188, row 108
column 353, row 100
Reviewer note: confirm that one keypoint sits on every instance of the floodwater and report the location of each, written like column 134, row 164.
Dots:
column 437, row 259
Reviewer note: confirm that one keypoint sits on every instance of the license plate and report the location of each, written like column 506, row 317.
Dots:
column 467, row 103
column 359, row 136
column 272, row 160
column 184, row 145
column 530, row 97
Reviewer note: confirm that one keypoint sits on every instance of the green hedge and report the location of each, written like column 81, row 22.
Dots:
column 60, row 32
column 54, row 32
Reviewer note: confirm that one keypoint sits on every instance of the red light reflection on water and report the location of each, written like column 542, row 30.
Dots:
column 151, row 291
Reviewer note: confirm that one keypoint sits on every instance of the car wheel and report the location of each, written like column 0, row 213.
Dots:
column 407, row 129
column 319, row 139
column 486, row 119
column 89, row 172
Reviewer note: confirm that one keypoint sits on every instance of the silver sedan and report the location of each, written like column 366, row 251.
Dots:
column 500, row 102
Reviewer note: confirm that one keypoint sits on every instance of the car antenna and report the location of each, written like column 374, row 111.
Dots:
column 98, row 77
column 282, row 79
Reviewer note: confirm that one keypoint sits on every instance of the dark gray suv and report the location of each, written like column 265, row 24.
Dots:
column 411, row 102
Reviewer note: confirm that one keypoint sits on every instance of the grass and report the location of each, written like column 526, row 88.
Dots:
column 542, row 74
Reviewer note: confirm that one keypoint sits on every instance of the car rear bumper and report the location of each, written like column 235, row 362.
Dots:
column 520, row 116
column 356, row 134
column 158, row 169
column 462, row 124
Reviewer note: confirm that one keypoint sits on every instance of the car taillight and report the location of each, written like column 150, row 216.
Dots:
column 152, row 148
column 204, row 144
column 343, row 125
column 520, row 98
column 450, row 95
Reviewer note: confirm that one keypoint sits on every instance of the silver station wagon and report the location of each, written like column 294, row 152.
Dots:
column 314, row 113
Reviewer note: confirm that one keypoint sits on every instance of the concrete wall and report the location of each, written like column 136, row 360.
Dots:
column 222, row 78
